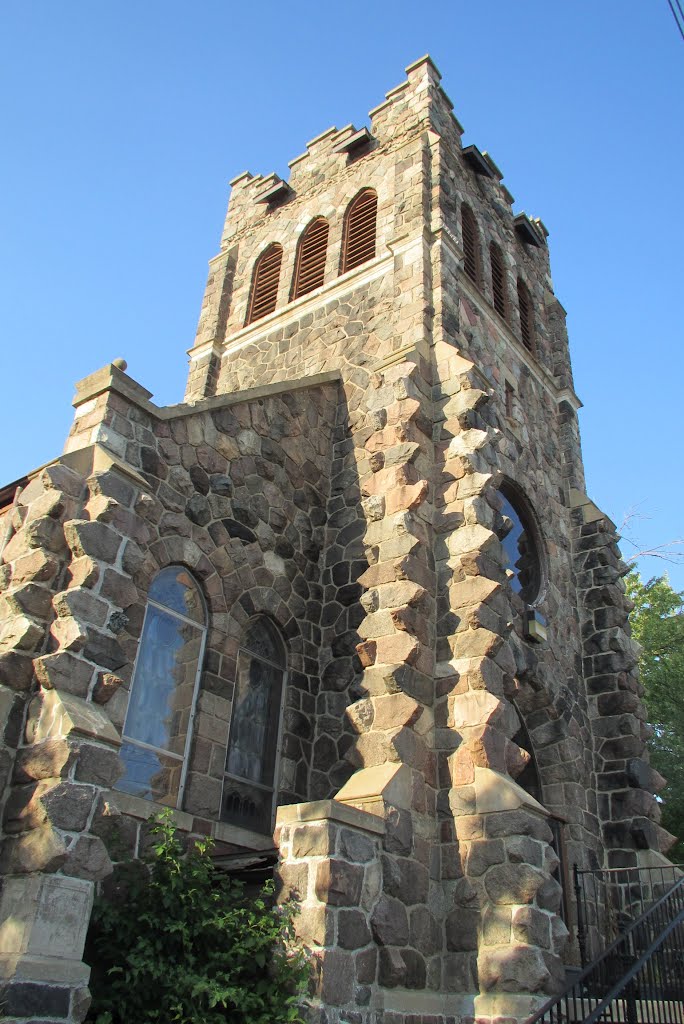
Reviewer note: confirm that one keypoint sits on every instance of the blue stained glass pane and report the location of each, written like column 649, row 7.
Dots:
column 163, row 687
column 150, row 774
column 254, row 721
column 511, row 542
column 523, row 563
column 175, row 588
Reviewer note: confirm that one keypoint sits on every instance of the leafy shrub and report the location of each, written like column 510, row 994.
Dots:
column 186, row 944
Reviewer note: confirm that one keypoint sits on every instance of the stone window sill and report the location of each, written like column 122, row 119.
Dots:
column 136, row 807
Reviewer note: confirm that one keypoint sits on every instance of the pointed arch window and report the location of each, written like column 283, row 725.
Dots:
column 250, row 778
column 311, row 253
column 498, row 280
column 526, row 315
column 161, row 709
column 522, row 545
column 470, row 245
column 360, row 224
column 265, row 283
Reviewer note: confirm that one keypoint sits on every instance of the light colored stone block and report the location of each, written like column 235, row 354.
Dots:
column 368, row 787
column 54, row 714
column 45, row 916
column 496, row 792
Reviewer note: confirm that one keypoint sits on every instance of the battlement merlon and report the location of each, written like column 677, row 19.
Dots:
column 408, row 109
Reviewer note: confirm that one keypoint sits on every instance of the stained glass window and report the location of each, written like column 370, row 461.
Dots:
column 521, row 547
column 252, row 757
column 157, row 729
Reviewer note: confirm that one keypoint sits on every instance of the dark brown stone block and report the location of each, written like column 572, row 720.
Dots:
column 352, row 929
column 339, row 883
column 366, row 966
column 462, row 927
column 406, row 879
column 99, row 765
column 425, row 933
column 16, row 670
column 389, row 922
column 336, row 977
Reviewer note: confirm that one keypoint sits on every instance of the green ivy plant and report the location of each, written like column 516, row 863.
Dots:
column 188, row 945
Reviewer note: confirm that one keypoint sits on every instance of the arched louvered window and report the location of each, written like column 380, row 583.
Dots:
column 359, row 230
column 250, row 779
column 311, row 253
column 161, row 708
column 526, row 316
column 470, row 244
column 498, row 280
column 265, row 283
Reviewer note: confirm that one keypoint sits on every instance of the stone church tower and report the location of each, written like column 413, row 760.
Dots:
column 350, row 598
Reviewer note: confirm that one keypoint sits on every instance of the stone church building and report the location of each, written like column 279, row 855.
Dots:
column 349, row 600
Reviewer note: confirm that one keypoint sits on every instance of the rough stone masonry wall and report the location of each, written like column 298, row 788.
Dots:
column 384, row 458
column 626, row 782
column 525, row 404
column 330, row 855
column 525, row 448
column 537, row 447
column 241, row 497
column 387, row 941
column 238, row 495
column 60, row 751
column 286, row 344
column 388, row 456
column 503, row 932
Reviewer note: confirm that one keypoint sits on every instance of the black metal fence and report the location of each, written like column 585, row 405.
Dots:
column 609, row 901
column 638, row 979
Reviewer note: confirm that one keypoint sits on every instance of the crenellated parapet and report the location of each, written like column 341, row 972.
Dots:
column 412, row 158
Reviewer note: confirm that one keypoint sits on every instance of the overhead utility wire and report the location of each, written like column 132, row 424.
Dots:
column 678, row 19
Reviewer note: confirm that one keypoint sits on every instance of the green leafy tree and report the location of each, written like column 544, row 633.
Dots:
column 658, row 625
column 184, row 943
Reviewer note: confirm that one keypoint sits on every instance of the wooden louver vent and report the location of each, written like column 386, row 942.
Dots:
column 469, row 232
column 526, row 320
column 265, row 283
column 498, row 281
column 359, row 233
column 310, row 268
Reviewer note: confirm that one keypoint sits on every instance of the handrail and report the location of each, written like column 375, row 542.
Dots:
column 620, row 894
column 591, row 983
column 634, row 970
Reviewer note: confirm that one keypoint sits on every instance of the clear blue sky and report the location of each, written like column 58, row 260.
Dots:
column 123, row 121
